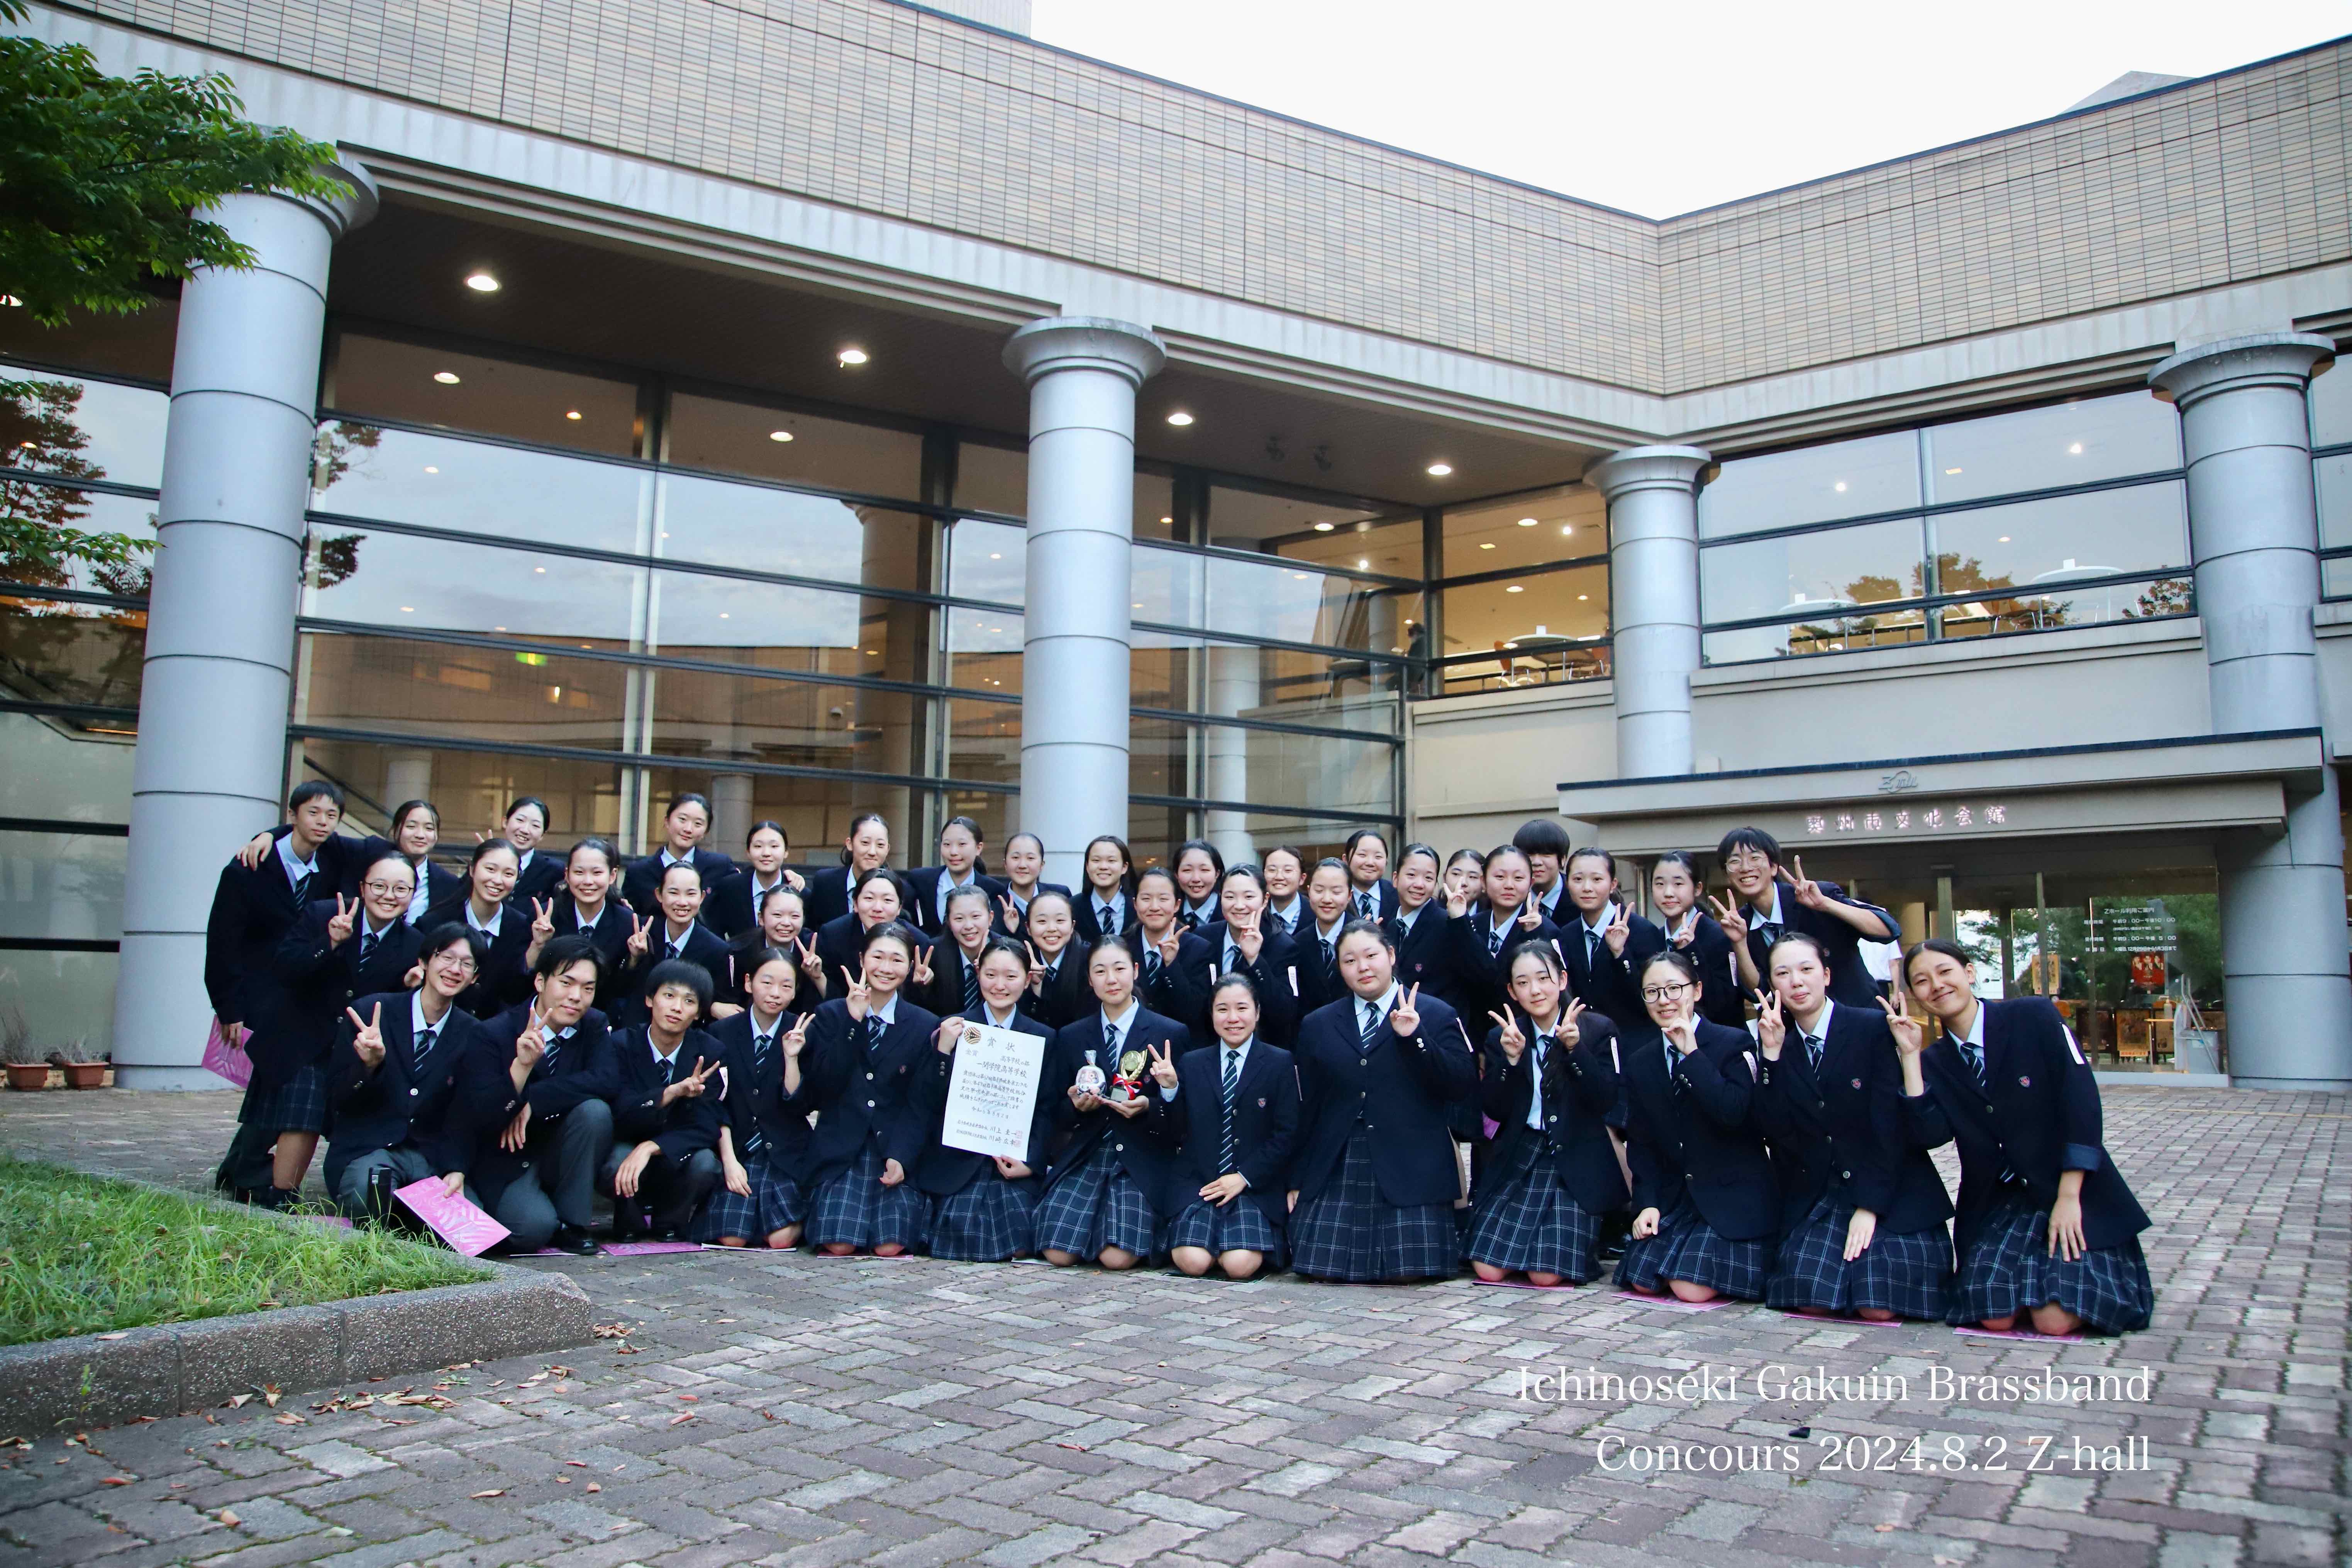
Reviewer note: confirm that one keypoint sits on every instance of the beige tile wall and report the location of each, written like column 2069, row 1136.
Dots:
column 888, row 109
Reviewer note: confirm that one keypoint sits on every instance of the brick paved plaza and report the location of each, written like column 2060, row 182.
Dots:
column 782, row 1409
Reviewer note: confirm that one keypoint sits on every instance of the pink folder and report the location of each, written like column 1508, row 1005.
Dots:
column 466, row 1228
column 227, row 1058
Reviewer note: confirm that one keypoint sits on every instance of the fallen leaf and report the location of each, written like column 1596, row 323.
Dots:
column 118, row 1334
column 269, row 1394
column 229, row 1516
column 768, row 1414
column 114, row 1480
column 563, row 1480
column 288, row 1418
column 691, row 1398
column 494, row 1491
column 677, row 1420
column 237, row 1401
column 611, row 1331
column 561, row 1370
column 595, row 1486
column 1882, row 1529
column 1078, row 1448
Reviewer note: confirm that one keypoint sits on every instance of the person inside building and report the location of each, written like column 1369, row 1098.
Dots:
column 2047, row 1230
column 1863, row 1211
column 666, row 1112
column 1109, row 1174
column 1603, row 942
column 733, row 909
column 1374, row 1182
column 867, row 848
column 1233, row 1122
column 505, row 932
column 683, row 826
column 764, row 1126
column 863, row 1050
column 1058, row 992
column 984, row 1207
column 536, row 1088
column 960, row 865
column 1199, row 869
column 393, row 1083
column 1548, row 1082
column 1677, row 891
column 1768, row 897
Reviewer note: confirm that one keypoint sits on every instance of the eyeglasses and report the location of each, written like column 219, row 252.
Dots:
column 1664, row 992
column 382, row 889
column 462, row 963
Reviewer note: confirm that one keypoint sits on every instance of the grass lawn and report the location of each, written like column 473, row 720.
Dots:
column 83, row 1255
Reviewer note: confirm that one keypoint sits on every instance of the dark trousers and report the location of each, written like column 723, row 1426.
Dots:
column 669, row 1193
column 559, row 1186
column 248, row 1166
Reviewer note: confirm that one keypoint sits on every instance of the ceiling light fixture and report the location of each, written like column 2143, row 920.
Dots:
column 2076, row 450
column 481, row 283
column 446, row 377
column 1841, row 486
column 1439, row 470
column 1515, row 588
column 1178, row 418
column 1324, row 527
column 1526, row 523
column 572, row 413
column 1167, row 521
column 1487, row 544
column 779, row 435
column 851, row 355
column 1565, row 529
column 1363, row 565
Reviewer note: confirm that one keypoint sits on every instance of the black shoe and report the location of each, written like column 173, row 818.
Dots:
column 573, row 1239
column 666, row 1233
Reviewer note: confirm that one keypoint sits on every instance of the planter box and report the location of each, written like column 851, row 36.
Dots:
column 28, row 1075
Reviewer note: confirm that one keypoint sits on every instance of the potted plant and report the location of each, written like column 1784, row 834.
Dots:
column 83, row 1068
column 27, row 1066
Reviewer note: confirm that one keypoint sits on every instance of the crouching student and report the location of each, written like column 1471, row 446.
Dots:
column 1102, row 1195
column 764, row 1131
column 1549, row 1081
column 985, row 1206
column 1707, row 1211
column 393, row 1083
column 862, row 1050
column 2048, row 1232
column 1863, row 1210
column 1236, row 1118
column 665, row 1155
column 539, row 1080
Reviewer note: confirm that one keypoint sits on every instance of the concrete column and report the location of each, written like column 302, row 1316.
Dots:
column 730, row 812
column 1083, row 372
column 407, row 776
column 220, row 619
column 1652, row 496
column 2254, row 534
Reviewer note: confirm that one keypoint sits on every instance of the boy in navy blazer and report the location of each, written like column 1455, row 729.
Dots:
column 1769, row 898
column 664, row 1159
column 541, row 1075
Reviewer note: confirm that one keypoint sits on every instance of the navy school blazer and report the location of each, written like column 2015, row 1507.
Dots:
column 1277, row 960
column 863, row 1095
column 702, row 947
column 401, row 1102
column 1580, row 1087
column 504, row 978
column 1178, row 990
column 943, row 1172
column 826, row 895
column 922, row 910
column 1607, row 982
column 1066, row 995
column 251, row 912
column 760, row 1115
column 1088, row 928
column 1319, row 984
column 1143, row 1157
column 1402, row 1091
column 541, row 876
column 1850, row 977
column 316, row 979
column 1425, row 954
column 685, row 1127
column 569, row 1072
column 1721, row 998
column 641, row 882
column 1266, row 1127
column 729, row 908
column 609, row 936
column 1696, row 1133
column 1384, row 899
column 2037, row 1116
column 1841, row 1129
column 837, row 943
column 356, row 852
column 1479, row 986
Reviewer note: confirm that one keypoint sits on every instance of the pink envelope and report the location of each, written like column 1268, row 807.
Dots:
column 226, row 1059
column 466, row 1228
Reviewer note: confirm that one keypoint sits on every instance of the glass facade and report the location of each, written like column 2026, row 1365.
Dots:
column 2067, row 515
column 2331, row 474
column 1523, row 592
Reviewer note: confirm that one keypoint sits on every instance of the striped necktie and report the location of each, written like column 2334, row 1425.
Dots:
column 970, row 985
column 1371, row 1026
column 1229, row 1145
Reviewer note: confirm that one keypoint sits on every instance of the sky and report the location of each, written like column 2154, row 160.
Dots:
column 1660, row 110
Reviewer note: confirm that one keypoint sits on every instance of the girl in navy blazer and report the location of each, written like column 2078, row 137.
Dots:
column 1110, row 1174
column 782, row 924
column 733, row 908
column 1548, row 1079
column 1861, row 1208
column 1601, row 940
column 954, row 959
column 959, row 866
column 1058, row 993
column 2048, row 1231
column 1327, row 910
column 763, row 1128
column 867, row 848
column 683, row 827
column 1024, row 862
column 1199, row 869
column 877, row 898
column 984, row 1205
column 1424, row 946
column 863, row 1051
column 1504, row 916
column 1233, row 1172
column 539, row 873
column 1370, row 895
column 1240, row 939
column 1110, row 886
column 586, row 907
column 1174, row 963
column 1675, row 889
column 1706, row 1208
column 504, row 979
column 1380, row 1071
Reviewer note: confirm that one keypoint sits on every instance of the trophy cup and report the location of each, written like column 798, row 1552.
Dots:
column 1128, row 1083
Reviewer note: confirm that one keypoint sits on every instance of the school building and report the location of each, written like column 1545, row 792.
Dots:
column 844, row 405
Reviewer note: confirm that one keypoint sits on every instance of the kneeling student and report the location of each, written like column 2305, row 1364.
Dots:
column 665, row 1155
column 539, row 1081
column 1863, row 1210
column 2048, row 1232
column 763, row 1132
column 1549, row 1081
column 862, row 1050
column 393, row 1080
column 986, row 1205
column 1235, row 1116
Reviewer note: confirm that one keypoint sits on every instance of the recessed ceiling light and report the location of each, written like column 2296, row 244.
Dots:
column 2002, row 540
column 1841, row 486
column 1324, row 527
column 1515, row 588
column 428, row 468
column 779, row 435
column 1487, row 544
column 446, row 377
column 497, row 628
column 874, row 653
column 407, row 609
column 1363, row 565
column 2076, row 449
column 481, row 283
column 1951, row 470
column 1168, row 519
column 1580, row 598
column 1565, row 529
column 1526, row 523
column 722, row 614
column 572, row 413
column 1139, row 604
column 997, row 555
column 1439, row 470
column 1178, row 418
column 543, row 572
column 849, row 356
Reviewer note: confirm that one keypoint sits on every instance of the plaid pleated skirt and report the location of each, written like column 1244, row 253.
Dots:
column 856, row 1209
column 1909, row 1274
column 2010, row 1272
column 1348, row 1233
column 1239, row 1227
column 991, row 1220
column 297, row 1105
column 1686, row 1248
column 775, row 1201
column 1098, row 1205
column 1529, row 1222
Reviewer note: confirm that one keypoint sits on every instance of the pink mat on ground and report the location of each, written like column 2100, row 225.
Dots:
column 1521, row 1284
column 1974, row 1333
column 1672, row 1305
column 647, row 1249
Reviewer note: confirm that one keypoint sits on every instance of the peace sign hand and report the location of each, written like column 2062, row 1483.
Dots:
column 641, row 938
column 1037, row 969
column 1809, row 892
column 1728, row 916
column 1247, row 940
column 1772, row 1028
column 543, row 922
column 810, row 963
column 1567, row 1031
column 690, row 1087
column 1011, row 911
column 531, row 1044
column 1910, row 1037
column 1405, row 1018
column 797, row 1036
column 922, row 974
column 368, row 1043
column 1163, row 1066
column 793, row 880
column 1510, row 1039
column 859, row 997
column 1620, row 930
column 1457, row 904
column 339, row 924
column 1530, row 914
column 1169, row 944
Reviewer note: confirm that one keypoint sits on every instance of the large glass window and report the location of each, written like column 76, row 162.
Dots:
column 2061, row 516
column 417, row 384
column 1254, row 519
column 2331, row 474
column 1525, row 597
column 1563, row 524
column 80, row 428
column 798, row 449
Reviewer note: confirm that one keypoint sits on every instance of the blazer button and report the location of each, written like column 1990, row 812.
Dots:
column 1119, row 1148
column 1847, row 1174
column 412, row 1092
column 869, row 1078
column 869, row 1105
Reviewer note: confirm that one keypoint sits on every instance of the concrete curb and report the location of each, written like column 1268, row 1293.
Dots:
column 171, row 1367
